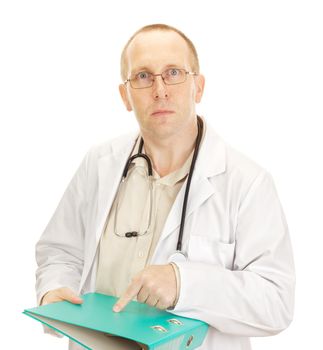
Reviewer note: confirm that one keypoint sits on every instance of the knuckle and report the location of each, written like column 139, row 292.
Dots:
column 151, row 286
column 141, row 297
column 126, row 296
column 166, row 300
column 137, row 279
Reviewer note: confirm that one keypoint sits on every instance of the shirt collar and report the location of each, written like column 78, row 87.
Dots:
column 211, row 160
column 172, row 178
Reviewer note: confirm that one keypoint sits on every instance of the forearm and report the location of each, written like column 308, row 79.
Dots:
column 60, row 249
column 235, row 302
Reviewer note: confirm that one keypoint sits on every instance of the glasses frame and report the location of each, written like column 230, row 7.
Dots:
column 161, row 75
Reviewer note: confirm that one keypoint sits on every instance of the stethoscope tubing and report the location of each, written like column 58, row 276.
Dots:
column 189, row 179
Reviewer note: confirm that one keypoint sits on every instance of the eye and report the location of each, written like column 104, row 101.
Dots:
column 173, row 72
column 143, row 75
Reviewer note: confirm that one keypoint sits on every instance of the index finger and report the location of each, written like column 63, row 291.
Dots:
column 129, row 294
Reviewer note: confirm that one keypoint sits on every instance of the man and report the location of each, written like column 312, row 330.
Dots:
column 236, row 268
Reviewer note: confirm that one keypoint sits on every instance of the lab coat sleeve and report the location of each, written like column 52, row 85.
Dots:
column 255, row 297
column 59, row 252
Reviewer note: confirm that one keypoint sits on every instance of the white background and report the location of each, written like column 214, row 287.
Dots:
column 59, row 76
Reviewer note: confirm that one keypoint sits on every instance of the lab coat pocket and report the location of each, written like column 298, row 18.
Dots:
column 206, row 250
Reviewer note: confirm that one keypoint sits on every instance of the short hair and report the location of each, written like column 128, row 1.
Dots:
column 162, row 27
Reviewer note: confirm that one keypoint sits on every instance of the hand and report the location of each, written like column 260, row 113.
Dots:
column 61, row 294
column 155, row 285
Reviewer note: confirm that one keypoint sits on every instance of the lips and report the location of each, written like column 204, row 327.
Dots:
column 159, row 112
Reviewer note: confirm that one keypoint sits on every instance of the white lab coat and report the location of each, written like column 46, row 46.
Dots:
column 239, row 276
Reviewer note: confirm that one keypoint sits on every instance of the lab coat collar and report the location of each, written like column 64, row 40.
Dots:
column 211, row 159
column 210, row 162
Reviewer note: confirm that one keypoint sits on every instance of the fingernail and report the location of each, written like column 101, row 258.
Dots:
column 116, row 308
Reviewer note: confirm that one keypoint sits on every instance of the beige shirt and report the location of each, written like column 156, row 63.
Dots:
column 121, row 258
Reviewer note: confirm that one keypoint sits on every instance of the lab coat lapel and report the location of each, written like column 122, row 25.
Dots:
column 210, row 162
column 109, row 173
column 110, row 168
column 201, row 190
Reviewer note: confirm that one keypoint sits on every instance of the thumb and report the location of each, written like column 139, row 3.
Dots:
column 68, row 295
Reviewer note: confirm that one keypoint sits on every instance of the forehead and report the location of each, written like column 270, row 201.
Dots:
column 156, row 49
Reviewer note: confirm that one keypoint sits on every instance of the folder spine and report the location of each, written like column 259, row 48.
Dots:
column 187, row 341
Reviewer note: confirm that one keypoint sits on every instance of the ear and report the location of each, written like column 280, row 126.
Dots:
column 199, row 85
column 124, row 96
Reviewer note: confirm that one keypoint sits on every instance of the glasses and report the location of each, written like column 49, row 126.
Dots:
column 171, row 76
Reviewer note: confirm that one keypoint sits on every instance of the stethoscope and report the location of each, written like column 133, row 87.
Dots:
column 178, row 255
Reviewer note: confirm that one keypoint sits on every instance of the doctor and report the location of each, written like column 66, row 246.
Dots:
column 203, row 236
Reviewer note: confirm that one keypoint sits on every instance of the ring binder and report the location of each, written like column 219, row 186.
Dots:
column 94, row 325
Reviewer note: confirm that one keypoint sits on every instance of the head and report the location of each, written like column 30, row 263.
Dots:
column 162, row 110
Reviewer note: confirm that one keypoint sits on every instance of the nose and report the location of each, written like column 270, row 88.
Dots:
column 159, row 88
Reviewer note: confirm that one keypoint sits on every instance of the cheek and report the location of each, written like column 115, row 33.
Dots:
column 193, row 93
column 133, row 100
column 191, row 96
column 187, row 95
column 139, row 101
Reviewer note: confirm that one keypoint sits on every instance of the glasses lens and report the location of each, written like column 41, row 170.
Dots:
column 174, row 76
column 142, row 80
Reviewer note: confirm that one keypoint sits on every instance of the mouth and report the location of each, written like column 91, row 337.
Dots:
column 161, row 112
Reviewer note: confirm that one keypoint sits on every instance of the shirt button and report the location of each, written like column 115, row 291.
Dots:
column 141, row 254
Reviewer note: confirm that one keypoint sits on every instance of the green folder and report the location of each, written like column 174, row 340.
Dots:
column 94, row 325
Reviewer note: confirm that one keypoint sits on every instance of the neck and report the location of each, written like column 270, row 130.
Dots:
column 169, row 154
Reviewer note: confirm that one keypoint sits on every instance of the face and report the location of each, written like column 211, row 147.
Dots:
column 161, row 110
